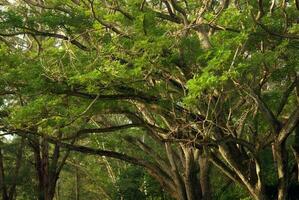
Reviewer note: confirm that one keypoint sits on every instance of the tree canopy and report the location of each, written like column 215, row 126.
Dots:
column 192, row 94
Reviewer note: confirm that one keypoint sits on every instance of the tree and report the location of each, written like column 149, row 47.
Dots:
column 9, row 176
column 211, row 81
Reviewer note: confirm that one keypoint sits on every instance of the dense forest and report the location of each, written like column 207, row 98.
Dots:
column 149, row 99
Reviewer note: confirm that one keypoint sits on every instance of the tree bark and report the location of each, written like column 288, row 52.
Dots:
column 204, row 170
column 192, row 184
column 181, row 190
column 12, row 191
column 3, row 188
column 47, row 173
column 295, row 149
column 281, row 159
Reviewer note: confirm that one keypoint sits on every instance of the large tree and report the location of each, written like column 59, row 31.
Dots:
column 211, row 81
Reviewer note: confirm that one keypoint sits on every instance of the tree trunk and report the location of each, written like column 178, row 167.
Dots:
column 3, row 188
column 281, row 164
column 260, row 195
column 12, row 191
column 295, row 149
column 57, row 196
column 47, row 178
column 192, row 184
column 204, row 171
column 181, row 190
column 77, row 184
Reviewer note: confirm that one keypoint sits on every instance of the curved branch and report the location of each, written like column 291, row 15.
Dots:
column 102, row 130
column 270, row 32
column 154, row 170
column 104, row 23
column 266, row 111
column 224, row 168
column 291, row 124
column 147, row 99
column 46, row 34
column 285, row 97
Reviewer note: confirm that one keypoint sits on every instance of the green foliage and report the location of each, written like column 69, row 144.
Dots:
column 68, row 66
column 129, row 184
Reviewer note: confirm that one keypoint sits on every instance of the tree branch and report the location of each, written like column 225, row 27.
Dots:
column 265, row 110
column 147, row 99
column 104, row 23
column 46, row 34
column 270, row 32
column 285, row 97
column 288, row 128
column 103, row 130
column 225, row 169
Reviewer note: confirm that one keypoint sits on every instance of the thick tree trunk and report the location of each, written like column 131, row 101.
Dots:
column 192, row 184
column 39, row 170
column 181, row 190
column 179, row 172
column 52, row 187
column 260, row 195
column 47, row 178
column 281, row 164
column 204, row 170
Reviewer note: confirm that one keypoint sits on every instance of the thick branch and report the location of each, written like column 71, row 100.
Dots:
column 150, row 151
column 291, row 124
column 225, row 169
column 270, row 32
column 163, row 16
column 267, row 112
column 103, row 130
column 152, row 168
column 285, row 97
column 46, row 34
column 147, row 99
